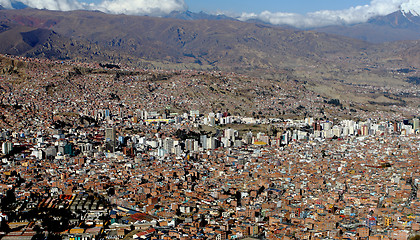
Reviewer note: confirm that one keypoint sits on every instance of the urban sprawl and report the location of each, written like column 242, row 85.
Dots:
column 160, row 174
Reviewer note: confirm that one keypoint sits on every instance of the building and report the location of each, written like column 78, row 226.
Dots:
column 189, row 145
column 7, row 147
column 416, row 126
column 168, row 144
column 110, row 139
column 203, row 141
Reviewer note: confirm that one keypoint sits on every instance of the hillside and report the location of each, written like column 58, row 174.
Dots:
column 35, row 90
column 197, row 43
column 332, row 66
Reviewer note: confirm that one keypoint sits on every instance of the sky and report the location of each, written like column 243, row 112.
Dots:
column 297, row 13
column 295, row 6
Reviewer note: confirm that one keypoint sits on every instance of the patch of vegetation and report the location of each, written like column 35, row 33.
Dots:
column 414, row 80
column 402, row 104
column 404, row 70
column 109, row 65
column 335, row 102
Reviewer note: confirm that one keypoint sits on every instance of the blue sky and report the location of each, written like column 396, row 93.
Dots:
column 294, row 6
column 240, row 6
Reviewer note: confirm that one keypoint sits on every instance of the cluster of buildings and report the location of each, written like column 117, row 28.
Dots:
column 80, row 160
column 161, row 178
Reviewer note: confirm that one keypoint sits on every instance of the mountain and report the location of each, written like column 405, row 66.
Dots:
column 222, row 44
column 396, row 26
column 19, row 5
column 209, row 44
column 331, row 66
column 188, row 15
column 399, row 19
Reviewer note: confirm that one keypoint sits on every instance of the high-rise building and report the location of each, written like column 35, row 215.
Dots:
column 327, row 125
column 365, row 130
column 226, row 142
column 7, row 147
column 230, row 134
column 203, row 141
column 247, row 138
column 395, row 127
column 168, row 144
column 212, row 119
column 211, row 143
column 110, row 139
column 189, row 145
column 416, row 126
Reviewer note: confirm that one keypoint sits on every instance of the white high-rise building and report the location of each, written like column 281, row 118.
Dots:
column 7, row 147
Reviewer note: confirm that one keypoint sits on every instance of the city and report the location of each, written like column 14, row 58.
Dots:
column 212, row 120
column 164, row 175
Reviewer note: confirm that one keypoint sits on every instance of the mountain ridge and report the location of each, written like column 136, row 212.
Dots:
column 202, row 42
column 176, row 43
column 188, row 15
column 397, row 26
column 403, row 24
column 332, row 66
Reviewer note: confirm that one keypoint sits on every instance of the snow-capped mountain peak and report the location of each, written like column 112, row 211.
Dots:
column 411, row 7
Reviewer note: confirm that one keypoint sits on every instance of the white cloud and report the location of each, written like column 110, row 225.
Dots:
column 142, row 7
column 5, row 3
column 63, row 5
column 352, row 15
column 412, row 6
column 129, row 7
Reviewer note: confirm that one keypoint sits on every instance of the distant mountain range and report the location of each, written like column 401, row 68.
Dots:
column 208, row 42
column 328, row 64
column 205, row 43
column 188, row 15
column 396, row 26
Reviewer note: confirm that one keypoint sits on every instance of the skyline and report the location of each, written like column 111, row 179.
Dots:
column 301, row 14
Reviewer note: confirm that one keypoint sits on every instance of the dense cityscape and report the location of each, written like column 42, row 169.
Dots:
column 115, row 164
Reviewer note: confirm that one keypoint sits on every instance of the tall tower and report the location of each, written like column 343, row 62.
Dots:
column 189, row 145
column 203, row 141
column 416, row 126
column 110, row 139
column 168, row 144
column 7, row 147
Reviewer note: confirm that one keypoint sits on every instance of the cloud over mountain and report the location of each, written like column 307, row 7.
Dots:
column 351, row 15
column 141, row 7
column 129, row 7
column 62, row 5
column 357, row 14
